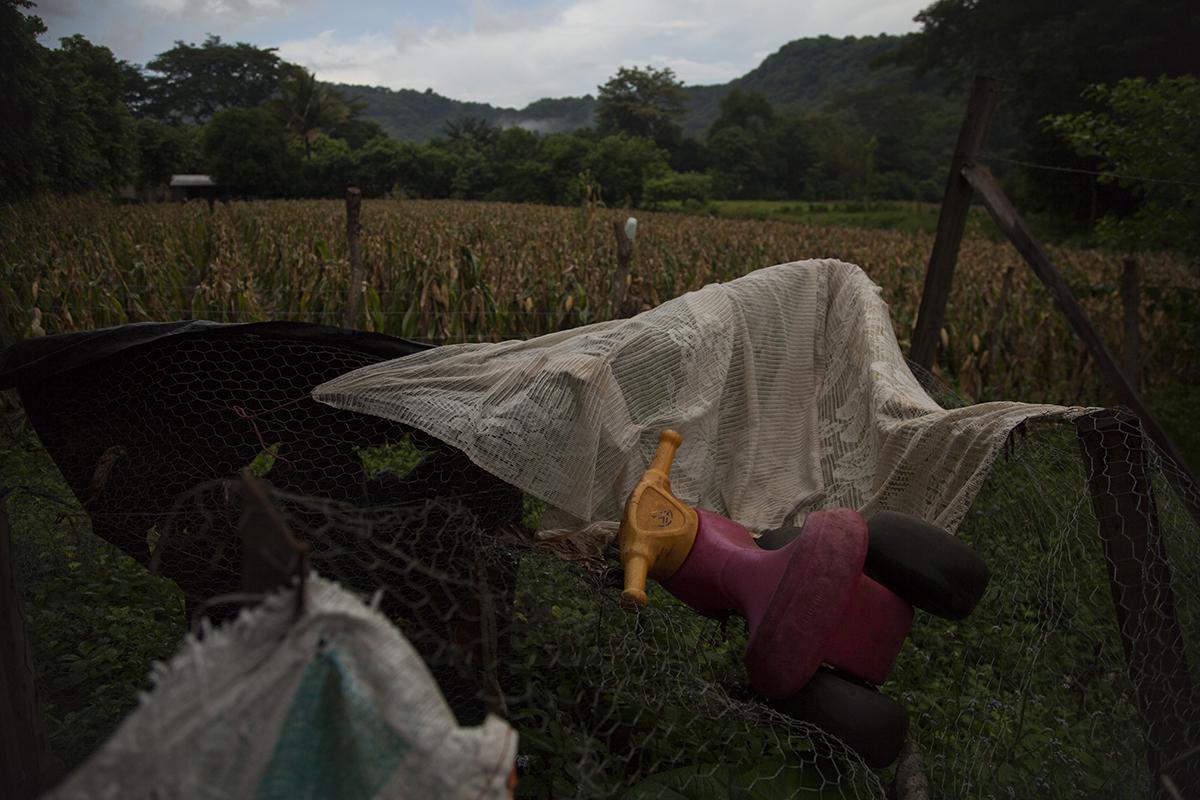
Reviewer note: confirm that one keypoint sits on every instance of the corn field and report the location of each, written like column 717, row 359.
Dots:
column 446, row 271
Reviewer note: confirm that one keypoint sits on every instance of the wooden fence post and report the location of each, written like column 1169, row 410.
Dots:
column 1119, row 479
column 1014, row 227
column 952, row 221
column 353, row 229
column 620, row 283
column 23, row 752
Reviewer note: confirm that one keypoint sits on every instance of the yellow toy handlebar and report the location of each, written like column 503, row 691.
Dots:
column 657, row 530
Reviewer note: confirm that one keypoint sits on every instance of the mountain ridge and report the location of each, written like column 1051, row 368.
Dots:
column 805, row 74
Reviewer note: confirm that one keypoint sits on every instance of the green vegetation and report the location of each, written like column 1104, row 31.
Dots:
column 97, row 619
column 461, row 271
column 1017, row 698
column 855, row 120
column 1025, row 698
column 1150, row 129
column 651, row 704
column 396, row 457
column 914, row 217
column 1046, row 55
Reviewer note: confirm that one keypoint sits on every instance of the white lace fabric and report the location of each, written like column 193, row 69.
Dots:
column 787, row 385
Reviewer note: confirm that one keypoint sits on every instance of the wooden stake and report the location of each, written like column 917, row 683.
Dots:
column 353, row 229
column 271, row 555
column 1014, row 227
column 1139, row 575
column 952, row 221
column 620, row 284
column 23, row 752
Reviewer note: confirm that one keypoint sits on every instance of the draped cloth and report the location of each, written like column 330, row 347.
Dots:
column 787, row 385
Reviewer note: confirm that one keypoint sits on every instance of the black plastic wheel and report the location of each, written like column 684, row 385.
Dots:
column 871, row 724
column 925, row 565
column 773, row 540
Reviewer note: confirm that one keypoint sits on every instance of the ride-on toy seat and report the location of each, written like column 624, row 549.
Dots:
column 828, row 605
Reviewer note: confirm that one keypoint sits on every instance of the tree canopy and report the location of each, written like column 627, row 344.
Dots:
column 1144, row 129
column 247, row 150
column 645, row 103
column 1046, row 54
column 310, row 107
column 190, row 83
column 813, row 121
column 64, row 125
column 22, row 94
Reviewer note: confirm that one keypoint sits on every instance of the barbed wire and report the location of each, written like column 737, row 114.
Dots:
column 1095, row 173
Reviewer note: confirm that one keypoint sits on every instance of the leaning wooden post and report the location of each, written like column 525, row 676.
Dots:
column 23, row 752
column 1014, row 227
column 1119, row 479
column 353, row 229
column 952, row 221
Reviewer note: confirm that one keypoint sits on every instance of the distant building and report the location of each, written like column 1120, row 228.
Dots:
column 193, row 187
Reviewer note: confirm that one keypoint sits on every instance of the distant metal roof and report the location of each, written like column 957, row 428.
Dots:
column 192, row 180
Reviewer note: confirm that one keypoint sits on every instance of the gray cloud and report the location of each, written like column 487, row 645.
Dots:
column 485, row 51
column 59, row 8
column 568, row 48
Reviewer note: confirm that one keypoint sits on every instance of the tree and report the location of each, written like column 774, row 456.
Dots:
column 736, row 165
column 328, row 167
column 680, row 187
column 471, row 133
column 646, row 103
column 915, row 133
column 521, row 174
column 22, row 90
column 750, row 110
column 744, row 150
column 622, row 164
column 64, row 125
column 565, row 156
column 842, row 158
column 796, row 136
column 1046, row 54
column 90, row 141
column 1149, row 129
column 384, row 163
column 310, row 108
column 164, row 149
column 246, row 150
column 357, row 131
column 191, row 83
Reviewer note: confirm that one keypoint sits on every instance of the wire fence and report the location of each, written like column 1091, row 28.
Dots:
column 1075, row 677
column 995, row 159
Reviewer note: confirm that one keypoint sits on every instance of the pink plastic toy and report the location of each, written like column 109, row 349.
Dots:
column 828, row 605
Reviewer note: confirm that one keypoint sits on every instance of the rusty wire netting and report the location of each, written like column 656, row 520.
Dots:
column 1044, row 691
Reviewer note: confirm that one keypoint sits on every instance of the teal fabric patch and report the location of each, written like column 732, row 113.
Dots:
column 334, row 743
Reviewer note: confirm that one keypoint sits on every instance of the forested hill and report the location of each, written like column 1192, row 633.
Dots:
column 808, row 74
column 803, row 75
column 419, row 116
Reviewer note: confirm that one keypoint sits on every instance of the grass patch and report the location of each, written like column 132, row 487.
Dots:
column 96, row 619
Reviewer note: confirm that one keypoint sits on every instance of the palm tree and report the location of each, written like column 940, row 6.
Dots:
column 311, row 107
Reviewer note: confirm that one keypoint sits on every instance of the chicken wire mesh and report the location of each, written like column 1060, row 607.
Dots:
column 1043, row 691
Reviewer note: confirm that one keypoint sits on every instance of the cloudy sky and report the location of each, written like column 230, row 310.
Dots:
column 506, row 52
